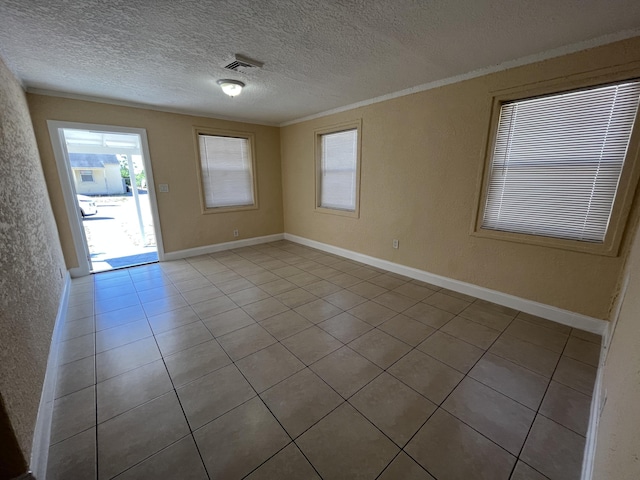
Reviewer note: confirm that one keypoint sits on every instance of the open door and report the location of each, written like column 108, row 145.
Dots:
column 107, row 184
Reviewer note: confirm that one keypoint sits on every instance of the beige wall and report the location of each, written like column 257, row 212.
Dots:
column 421, row 159
column 31, row 267
column 173, row 159
column 618, row 439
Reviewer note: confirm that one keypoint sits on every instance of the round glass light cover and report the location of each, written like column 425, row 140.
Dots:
column 231, row 87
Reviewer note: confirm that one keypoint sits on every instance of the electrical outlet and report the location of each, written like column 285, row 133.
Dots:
column 396, row 243
column 163, row 187
column 235, row 233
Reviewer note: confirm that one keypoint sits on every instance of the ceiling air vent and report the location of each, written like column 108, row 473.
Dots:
column 243, row 64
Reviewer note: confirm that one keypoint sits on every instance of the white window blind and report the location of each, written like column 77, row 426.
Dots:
column 557, row 161
column 226, row 164
column 338, row 165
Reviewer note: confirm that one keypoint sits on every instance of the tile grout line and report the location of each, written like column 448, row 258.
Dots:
column 130, row 467
column 439, row 406
column 95, row 377
column 148, row 401
column 277, row 340
column 275, row 418
column 258, row 396
column 415, row 347
column 383, row 370
column 175, row 389
column 175, row 392
column 538, row 409
column 344, row 400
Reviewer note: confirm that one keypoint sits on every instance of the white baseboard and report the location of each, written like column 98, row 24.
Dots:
column 549, row 312
column 566, row 317
column 219, row 247
column 597, row 404
column 42, row 431
column 599, row 399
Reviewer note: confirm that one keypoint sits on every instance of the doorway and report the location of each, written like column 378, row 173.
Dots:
column 108, row 187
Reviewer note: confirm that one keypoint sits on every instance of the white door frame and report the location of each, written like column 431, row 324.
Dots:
column 69, row 191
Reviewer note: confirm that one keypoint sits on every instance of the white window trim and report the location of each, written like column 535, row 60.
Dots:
column 65, row 175
column 250, row 137
column 351, row 125
column 82, row 180
column 626, row 187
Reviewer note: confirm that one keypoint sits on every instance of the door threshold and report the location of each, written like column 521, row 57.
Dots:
column 124, row 267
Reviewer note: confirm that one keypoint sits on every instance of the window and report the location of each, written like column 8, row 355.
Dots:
column 557, row 162
column 338, row 169
column 86, row 176
column 226, row 170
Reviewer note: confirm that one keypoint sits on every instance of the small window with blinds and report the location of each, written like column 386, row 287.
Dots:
column 226, row 170
column 338, row 169
column 556, row 163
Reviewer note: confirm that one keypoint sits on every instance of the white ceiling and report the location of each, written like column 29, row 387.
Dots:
column 318, row 55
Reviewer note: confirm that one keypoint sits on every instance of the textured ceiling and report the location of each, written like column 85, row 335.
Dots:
column 318, row 55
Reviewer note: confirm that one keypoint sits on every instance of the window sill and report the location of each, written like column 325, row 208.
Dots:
column 339, row 213
column 214, row 210
column 608, row 248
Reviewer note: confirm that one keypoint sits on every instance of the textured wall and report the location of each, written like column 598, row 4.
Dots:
column 421, row 158
column 174, row 161
column 618, row 445
column 31, row 264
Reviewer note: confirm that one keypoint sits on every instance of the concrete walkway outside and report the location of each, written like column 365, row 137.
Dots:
column 114, row 236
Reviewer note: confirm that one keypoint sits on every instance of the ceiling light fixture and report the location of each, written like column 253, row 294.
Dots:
column 231, row 87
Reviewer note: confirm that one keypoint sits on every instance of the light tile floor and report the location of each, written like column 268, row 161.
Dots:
column 283, row 362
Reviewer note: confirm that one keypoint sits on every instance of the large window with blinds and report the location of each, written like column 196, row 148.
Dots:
column 557, row 164
column 338, row 169
column 226, row 170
